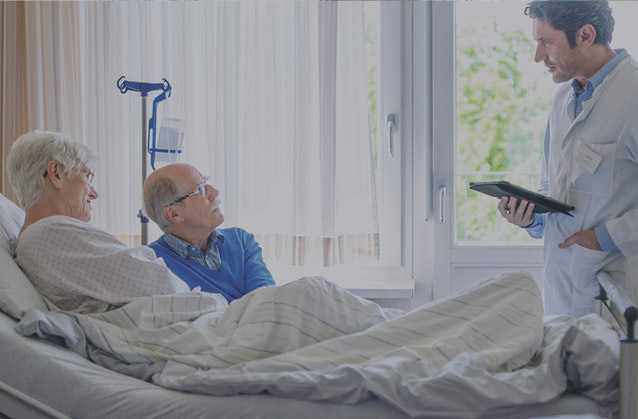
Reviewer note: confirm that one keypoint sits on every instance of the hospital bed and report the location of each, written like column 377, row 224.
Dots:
column 39, row 379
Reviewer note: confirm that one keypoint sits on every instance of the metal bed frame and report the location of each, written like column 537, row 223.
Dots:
column 625, row 313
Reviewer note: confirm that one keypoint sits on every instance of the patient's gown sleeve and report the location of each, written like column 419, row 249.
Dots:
column 82, row 268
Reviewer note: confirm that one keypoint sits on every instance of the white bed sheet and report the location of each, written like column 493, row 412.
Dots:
column 78, row 388
column 75, row 387
column 54, row 370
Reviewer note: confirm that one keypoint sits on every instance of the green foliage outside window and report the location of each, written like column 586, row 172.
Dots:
column 501, row 118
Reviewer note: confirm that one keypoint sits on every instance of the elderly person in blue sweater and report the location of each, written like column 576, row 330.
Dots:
column 227, row 261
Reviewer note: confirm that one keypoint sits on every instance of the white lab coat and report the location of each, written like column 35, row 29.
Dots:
column 608, row 126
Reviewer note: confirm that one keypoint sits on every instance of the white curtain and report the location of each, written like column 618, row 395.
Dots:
column 274, row 96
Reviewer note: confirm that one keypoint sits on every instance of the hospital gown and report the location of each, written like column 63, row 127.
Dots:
column 79, row 267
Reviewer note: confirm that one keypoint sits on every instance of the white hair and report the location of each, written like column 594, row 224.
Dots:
column 29, row 156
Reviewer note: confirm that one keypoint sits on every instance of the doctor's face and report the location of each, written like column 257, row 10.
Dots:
column 562, row 61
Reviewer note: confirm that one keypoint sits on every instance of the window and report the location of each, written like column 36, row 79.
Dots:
column 503, row 99
column 482, row 64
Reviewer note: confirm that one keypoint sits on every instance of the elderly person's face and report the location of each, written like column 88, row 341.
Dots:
column 78, row 194
column 199, row 212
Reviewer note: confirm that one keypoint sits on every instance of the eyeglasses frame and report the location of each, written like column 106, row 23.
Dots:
column 89, row 174
column 201, row 190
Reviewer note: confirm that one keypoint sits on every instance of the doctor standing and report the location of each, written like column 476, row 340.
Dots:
column 590, row 157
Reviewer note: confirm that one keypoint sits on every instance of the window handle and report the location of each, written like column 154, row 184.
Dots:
column 391, row 123
column 442, row 194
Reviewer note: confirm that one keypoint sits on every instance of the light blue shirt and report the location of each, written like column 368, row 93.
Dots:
column 582, row 95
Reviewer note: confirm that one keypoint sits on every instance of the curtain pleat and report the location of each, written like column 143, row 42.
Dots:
column 14, row 104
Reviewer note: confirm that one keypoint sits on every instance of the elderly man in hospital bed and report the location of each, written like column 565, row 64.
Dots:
column 225, row 261
column 73, row 264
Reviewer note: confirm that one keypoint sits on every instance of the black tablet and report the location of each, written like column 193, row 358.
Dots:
column 503, row 188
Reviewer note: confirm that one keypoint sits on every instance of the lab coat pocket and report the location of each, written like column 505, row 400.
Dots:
column 594, row 168
column 584, row 266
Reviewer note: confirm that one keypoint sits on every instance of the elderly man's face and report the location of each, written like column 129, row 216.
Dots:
column 199, row 212
column 78, row 194
column 562, row 61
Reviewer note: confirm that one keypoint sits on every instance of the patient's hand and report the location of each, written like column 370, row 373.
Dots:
column 521, row 215
column 585, row 238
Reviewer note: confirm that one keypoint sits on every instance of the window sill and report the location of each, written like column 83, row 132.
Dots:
column 365, row 286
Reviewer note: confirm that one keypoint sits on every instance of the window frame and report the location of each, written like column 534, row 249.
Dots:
column 453, row 261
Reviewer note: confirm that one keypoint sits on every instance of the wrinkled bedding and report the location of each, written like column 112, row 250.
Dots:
column 482, row 349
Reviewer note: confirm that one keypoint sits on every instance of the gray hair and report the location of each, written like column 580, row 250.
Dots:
column 29, row 156
column 157, row 195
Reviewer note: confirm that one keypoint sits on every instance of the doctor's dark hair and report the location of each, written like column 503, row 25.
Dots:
column 570, row 16
column 29, row 156
column 157, row 194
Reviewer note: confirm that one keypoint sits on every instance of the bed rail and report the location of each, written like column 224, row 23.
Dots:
column 25, row 404
column 619, row 305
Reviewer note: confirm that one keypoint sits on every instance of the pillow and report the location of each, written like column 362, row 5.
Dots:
column 17, row 295
column 11, row 220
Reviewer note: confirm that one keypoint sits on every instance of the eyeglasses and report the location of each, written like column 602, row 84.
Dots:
column 201, row 190
column 88, row 175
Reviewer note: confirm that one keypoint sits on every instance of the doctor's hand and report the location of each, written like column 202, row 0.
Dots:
column 523, row 216
column 585, row 238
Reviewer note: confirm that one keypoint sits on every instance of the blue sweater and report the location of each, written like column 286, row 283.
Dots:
column 242, row 271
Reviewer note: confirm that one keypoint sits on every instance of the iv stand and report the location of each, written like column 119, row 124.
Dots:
column 143, row 88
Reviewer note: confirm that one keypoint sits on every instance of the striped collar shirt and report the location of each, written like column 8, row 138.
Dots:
column 211, row 258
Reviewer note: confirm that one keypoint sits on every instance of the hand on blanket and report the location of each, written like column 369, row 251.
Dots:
column 585, row 238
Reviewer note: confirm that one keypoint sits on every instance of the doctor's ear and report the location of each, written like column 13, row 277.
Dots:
column 586, row 35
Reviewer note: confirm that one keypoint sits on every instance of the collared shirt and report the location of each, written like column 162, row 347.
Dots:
column 211, row 258
column 583, row 94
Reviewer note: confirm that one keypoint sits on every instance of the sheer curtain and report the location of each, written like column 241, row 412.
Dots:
column 62, row 61
column 274, row 96
column 36, row 69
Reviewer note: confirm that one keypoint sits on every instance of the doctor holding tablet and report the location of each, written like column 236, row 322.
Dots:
column 590, row 157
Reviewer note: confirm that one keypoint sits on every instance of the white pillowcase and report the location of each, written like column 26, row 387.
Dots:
column 11, row 220
column 17, row 295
